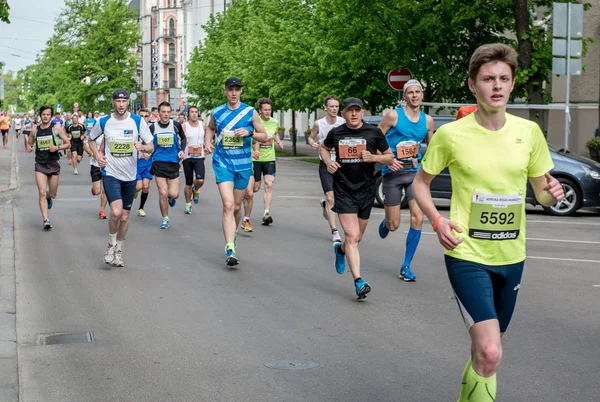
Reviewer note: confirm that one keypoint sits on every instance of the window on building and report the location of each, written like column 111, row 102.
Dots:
column 171, row 27
column 171, row 78
column 171, row 52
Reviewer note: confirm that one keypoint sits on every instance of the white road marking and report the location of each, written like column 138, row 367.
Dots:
column 562, row 259
column 76, row 199
column 565, row 222
column 301, row 197
column 596, row 286
column 537, row 239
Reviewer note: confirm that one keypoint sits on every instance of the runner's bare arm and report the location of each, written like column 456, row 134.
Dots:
column 548, row 191
column 209, row 133
column 430, row 127
column 312, row 139
column 63, row 136
column 31, row 139
column 260, row 134
column 388, row 121
column 422, row 192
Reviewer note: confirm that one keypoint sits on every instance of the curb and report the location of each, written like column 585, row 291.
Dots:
column 9, row 380
column 13, row 170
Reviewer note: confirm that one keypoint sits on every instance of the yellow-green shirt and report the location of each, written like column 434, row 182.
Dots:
column 485, row 164
column 267, row 150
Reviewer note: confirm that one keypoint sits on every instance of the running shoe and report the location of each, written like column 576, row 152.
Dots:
column 101, row 214
column 324, row 206
column 188, row 209
column 383, row 229
column 135, row 195
column 75, row 172
column 141, row 213
column 267, row 219
column 230, row 258
column 340, row 259
column 406, row 274
column 362, row 288
column 47, row 225
column 335, row 237
column 164, row 224
column 172, row 202
column 49, row 200
column 109, row 257
column 118, row 260
column 246, row 225
column 196, row 195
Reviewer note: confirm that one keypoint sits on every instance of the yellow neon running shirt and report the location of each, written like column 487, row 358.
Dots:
column 267, row 151
column 484, row 162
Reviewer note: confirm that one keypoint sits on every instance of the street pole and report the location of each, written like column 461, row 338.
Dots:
column 568, row 83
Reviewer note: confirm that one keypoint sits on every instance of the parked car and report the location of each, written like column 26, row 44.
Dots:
column 579, row 176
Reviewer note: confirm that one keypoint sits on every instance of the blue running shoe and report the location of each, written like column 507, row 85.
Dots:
column 340, row 259
column 362, row 288
column 47, row 225
column 406, row 274
column 172, row 202
column 383, row 229
column 230, row 258
column 49, row 200
column 164, row 224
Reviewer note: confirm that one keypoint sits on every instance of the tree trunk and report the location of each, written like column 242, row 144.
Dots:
column 534, row 91
column 294, row 132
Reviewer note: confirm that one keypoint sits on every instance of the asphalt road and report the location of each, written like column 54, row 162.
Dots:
column 177, row 325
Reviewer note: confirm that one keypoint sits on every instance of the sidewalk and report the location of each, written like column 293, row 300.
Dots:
column 8, row 163
column 9, row 383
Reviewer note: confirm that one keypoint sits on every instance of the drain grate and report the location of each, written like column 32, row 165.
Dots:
column 61, row 339
column 292, row 364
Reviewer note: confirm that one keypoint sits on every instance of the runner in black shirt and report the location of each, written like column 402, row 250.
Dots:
column 76, row 133
column 356, row 145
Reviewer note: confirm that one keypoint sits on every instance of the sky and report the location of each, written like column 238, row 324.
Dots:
column 31, row 25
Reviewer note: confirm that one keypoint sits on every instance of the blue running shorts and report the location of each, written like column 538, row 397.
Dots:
column 485, row 292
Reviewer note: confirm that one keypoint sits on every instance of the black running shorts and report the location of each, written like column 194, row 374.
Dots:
column 353, row 202
column 167, row 170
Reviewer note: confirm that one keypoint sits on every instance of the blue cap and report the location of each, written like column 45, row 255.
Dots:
column 120, row 93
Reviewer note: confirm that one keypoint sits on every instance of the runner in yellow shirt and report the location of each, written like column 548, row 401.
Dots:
column 491, row 156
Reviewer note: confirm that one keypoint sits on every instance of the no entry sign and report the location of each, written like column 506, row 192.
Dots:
column 397, row 78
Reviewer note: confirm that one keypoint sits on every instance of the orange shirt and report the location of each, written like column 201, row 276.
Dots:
column 465, row 111
column 5, row 122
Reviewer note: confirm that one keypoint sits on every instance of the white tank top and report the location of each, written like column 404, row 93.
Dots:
column 195, row 140
column 325, row 128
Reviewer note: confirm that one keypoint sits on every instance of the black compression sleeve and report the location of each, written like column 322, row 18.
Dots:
column 179, row 130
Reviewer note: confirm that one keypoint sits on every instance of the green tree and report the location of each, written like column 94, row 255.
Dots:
column 4, row 11
column 88, row 56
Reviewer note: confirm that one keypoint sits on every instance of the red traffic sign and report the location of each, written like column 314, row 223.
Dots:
column 397, row 78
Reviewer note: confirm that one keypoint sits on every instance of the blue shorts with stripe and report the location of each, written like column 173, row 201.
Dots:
column 485, row 292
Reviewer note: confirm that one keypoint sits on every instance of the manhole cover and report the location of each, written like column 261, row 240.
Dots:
column 292, row 364
column 59, row 339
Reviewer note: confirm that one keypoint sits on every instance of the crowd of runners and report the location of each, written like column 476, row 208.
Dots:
column 483, row 238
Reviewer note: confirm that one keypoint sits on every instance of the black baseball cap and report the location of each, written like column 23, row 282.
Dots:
column 120, row 93
column 233, row 82
column 349, row 102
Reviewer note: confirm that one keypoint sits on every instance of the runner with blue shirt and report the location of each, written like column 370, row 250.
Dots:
column 165, row 162
column 144, row 167
column 235, row 125
column 405, row 129
column 123, row 133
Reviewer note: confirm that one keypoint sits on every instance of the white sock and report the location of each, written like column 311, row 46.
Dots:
column 166, row 218
column 112, row 239
column 266, row 211
column 246, row 218
column 119, row 245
